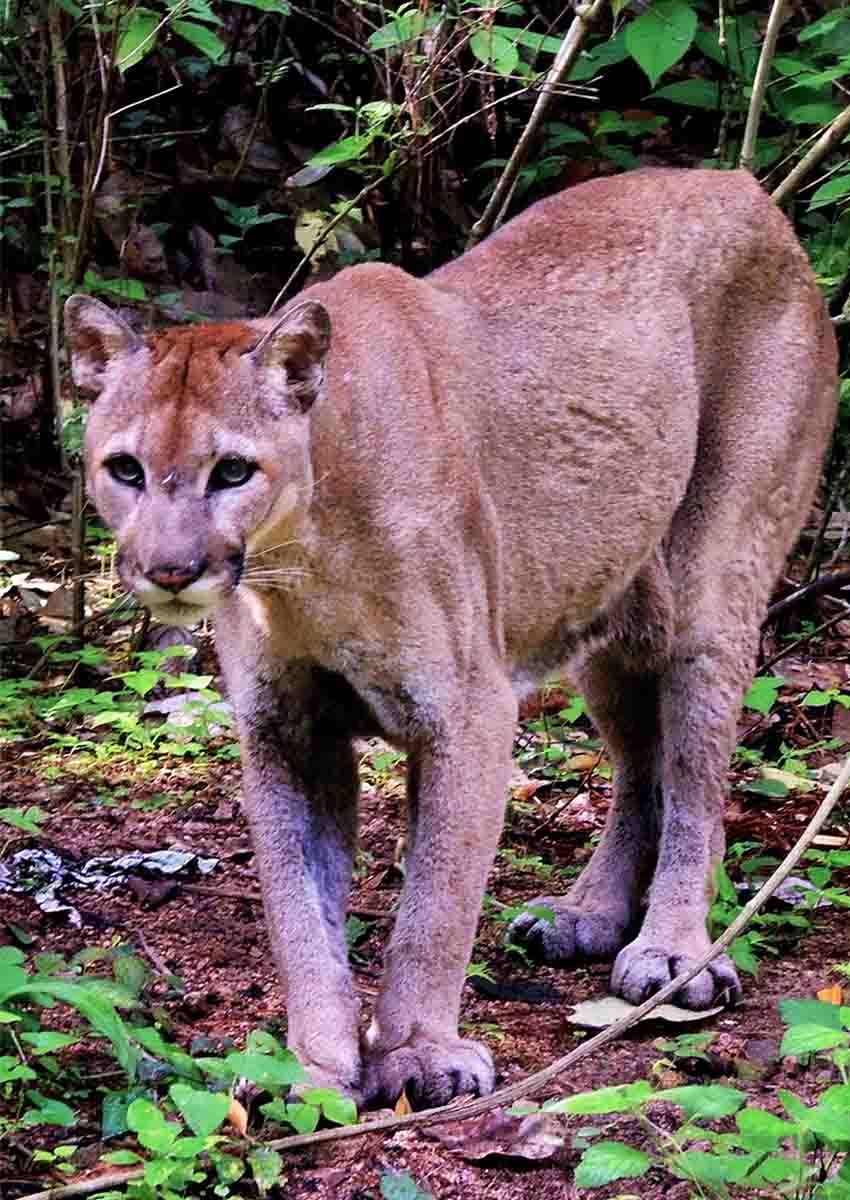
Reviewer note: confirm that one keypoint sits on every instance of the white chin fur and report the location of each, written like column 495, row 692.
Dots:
column 176, row 613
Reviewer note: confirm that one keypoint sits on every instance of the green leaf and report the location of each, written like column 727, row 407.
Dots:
column 816, row 112
column 767, row 787
column 12, row 1071
column 202, row 39
column 131, row 973
column 121, row 1158
column 48, row 1111
column 266, row 1167
column 337, row 1108
column 714, row 1170
column 401, row 1186
column 810, row 1012
column 138, row 39
column 606, row 1162
column 625, row 1097
column 607, row 54
column 559, row 134
column 203, row 1112
column 12, row 979
column 834, row 189
column 495, row 50
column 347, row 149
column 406, row 28
column 140, row 682
column 695, row 93
column 762, row 693
column 265, row 1070
column 46, row 1041
column 807, row 1039
column 97, row 1010
column 302, row 1117
column 763, row 1131
column 126, row 289
column 707, row 1103
column 823, row 26
column 660, row 36
column 25, row 819
column 154, row 1132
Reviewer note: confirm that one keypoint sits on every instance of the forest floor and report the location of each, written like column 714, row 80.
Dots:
column 209, row 932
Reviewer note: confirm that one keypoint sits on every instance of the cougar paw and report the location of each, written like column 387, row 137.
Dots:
column 642, row 970
column 429, row 1072
column 573, row 934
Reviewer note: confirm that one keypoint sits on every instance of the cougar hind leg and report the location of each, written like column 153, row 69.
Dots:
column 621, row 683
column 764, row 424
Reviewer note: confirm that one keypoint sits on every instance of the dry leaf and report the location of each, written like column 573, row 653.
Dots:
column 403, row 1106
column 598, row 1014
column 832, row 995
column 533, row 1136
column 237, row 1115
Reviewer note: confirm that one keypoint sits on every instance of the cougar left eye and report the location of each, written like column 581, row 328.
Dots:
column 231, row 472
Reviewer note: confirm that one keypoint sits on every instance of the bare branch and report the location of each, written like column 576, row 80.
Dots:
column 768, row 47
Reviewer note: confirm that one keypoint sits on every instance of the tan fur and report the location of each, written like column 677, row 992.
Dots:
column 589, row 441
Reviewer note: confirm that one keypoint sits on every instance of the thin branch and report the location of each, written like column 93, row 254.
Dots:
column 833, row 134
column 565, row 59
column 768, row 48
column 320, row 240
column 825, row 585
column 795, row 645
column 461, row 1110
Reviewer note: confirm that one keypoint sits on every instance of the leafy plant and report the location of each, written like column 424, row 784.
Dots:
column 803, row 1154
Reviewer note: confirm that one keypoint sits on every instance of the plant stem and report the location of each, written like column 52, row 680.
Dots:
column 768, row 47
column 568, row 52
column 833, row 134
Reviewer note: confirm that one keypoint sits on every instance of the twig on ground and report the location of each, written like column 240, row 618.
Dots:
column 824, row 585
column 786, row 650
column 224, row 893
column 157, row 960
column 768, row 46
column 461, row 1110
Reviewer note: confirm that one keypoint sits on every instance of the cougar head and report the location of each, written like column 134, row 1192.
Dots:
column 197, row 444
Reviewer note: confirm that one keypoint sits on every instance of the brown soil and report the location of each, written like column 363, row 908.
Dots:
column 211, row 934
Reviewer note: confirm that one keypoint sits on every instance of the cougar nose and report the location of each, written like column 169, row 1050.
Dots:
column 174, row 578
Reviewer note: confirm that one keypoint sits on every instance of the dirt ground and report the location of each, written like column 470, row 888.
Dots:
column 210, row 933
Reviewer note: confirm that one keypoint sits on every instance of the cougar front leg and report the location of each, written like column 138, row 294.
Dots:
column 301, row 801
column 458, row 782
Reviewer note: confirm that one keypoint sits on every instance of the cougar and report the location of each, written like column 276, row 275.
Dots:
column 590, row 441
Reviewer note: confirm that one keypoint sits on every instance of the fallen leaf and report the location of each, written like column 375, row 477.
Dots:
column 237, row 1115
column 584, row 762
column 832, row 995
column 533, row 1136
column 599, row 1014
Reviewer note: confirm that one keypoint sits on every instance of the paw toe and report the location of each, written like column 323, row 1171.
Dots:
column 641, row 971
column 571, row 934
column 430, row 1073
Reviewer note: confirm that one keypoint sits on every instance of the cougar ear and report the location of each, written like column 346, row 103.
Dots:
column 297, row 346
column 95, row 335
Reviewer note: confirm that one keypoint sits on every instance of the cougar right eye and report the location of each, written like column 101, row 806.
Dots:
column 127, row 470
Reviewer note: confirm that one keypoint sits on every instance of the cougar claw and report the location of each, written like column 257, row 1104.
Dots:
column 572, row 934
column 430, row 1073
